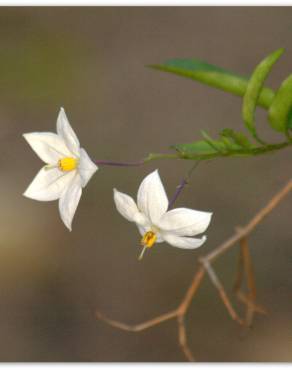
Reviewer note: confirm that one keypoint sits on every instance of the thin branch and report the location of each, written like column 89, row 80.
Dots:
column 255, row 306
column 255, row 221
column 142, row 326
column 192, row 290
column 222, row 293
column 245, row 267
column 248, row 268
column 250, row 280
column 239, row 273
column 182, row 339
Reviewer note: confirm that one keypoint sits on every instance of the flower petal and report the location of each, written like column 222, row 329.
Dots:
column 183, row 242
column 48, row 146
column 48, row 184
column 69, row 201
column 65, row 131
column 185, row 221
column 152, row 199
column 86, row 167
column 127, row 207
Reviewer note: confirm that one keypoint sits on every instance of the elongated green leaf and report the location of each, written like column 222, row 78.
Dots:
column 207, row 149
column 201, row 150
column 254, row 88
column 281, row 106
column 197, row 150
column 213, row 76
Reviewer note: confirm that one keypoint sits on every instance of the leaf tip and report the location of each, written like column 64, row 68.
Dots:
column 153, row 66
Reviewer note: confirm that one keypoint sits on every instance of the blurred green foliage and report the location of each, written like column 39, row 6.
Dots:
column 253, row 92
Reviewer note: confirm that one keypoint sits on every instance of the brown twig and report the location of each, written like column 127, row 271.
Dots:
column 245, row 266
column 142, row 326
column 250, row 281
column 191, row 291
column 182, row 338
column 256, row 307
column 222, row 293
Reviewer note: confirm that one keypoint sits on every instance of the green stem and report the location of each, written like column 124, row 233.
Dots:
column 270, row 148
column 265, row 149
column 153, row 156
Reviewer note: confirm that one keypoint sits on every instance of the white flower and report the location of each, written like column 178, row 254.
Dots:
column 68, row 168
column 155, row 223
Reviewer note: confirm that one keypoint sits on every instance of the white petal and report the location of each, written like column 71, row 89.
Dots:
column 152, row 199
column 183, row 242
column 185, row 221
column 86, row 167
column 65, row 131
column 49, row 184
column 48, row 146
column 128, row 209
column 69, row 201
column 125, row 205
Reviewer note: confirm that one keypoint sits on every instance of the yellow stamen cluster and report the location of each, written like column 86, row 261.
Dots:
column 67, row 164
column 149, row 239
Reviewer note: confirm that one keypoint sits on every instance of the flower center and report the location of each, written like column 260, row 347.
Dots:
column 67, row 164
column 149, row 239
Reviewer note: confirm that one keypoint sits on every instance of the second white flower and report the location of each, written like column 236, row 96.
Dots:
column 155, row 223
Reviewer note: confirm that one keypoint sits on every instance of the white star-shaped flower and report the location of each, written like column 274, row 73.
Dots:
column 68, row 168
column 155, row 223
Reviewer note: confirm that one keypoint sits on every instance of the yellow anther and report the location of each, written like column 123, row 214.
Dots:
column 149, row 239
column 67, row 164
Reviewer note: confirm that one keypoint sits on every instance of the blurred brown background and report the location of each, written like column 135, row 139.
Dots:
column 92, row 62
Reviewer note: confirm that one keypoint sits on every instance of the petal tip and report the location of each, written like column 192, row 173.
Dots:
column 28, row 194
column 67, row 223
column 26, row 136
column 25, row 194
column 154, row 173
column 210, row 215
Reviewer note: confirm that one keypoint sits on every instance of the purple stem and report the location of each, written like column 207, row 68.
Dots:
column 181, row 186
column 179, row 189
column 120, row 164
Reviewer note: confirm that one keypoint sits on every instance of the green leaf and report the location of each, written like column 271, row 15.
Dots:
column 197, row 150
column 208, row 148
column 201, row 150
column 218, row 146
column 280, row 109
column 227, row 142
column 238, row 137
column 254, row 88
column 213, row 76
column 289, row 124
